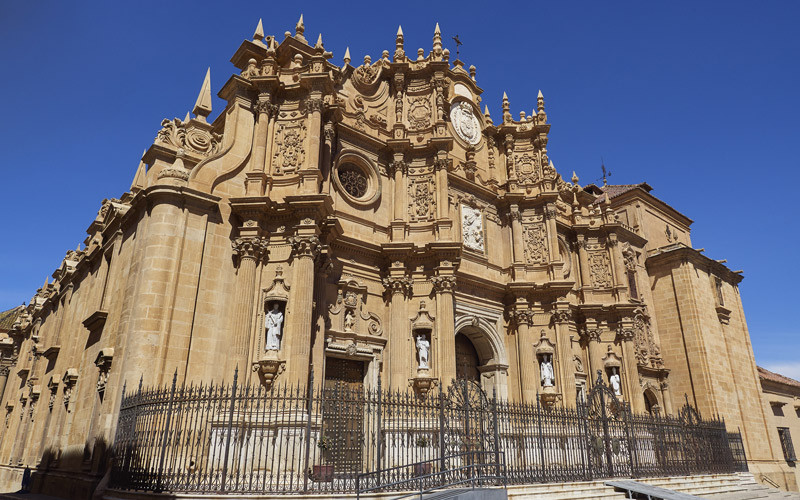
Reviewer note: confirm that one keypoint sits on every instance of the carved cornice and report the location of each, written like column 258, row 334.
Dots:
column 250, row 247
column 305, row 246
column 443, row 284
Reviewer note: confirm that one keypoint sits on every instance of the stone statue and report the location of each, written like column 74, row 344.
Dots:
column 546, row 371
column 273, row 323
column 349, row 321
column 614, row 381
column 472, row 228
column 423, row 348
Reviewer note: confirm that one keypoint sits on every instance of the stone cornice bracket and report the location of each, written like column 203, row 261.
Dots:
column 250, row 247
column 305, row 246
column 398, row 285
column 443, row 284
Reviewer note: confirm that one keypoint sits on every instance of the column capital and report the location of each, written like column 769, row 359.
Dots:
column 314, row 104
column 522, row 317
column 562, row 316
column 4, row 370
column 305, row 246
column 625, row 334
column 397, row 166
column 250, row 247
column 398, row 285
column 443, row 284
column 595, row 334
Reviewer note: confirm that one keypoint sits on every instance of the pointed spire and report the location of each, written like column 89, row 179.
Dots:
column 299, row 29
column 575, row 178
column 187, row 117
column 399, row 53
column 259, row 34
column 487, row 116
column 506, row 109
column 318, row 45
column 138, row 179
column 399, row 31
column 540, row 102
column 437, row 43
column 202, row 108
column 347, row 55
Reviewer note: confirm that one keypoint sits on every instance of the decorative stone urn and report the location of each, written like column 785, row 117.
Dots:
column 268, row 368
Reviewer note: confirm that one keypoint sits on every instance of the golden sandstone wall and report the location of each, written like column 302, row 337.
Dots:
column 373, row 203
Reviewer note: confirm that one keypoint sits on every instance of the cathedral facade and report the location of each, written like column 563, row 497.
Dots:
column 370, row 221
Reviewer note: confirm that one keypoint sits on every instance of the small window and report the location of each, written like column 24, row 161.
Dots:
column 777, row 409
column 797, row 411
column 353, row 180
column 786, row 444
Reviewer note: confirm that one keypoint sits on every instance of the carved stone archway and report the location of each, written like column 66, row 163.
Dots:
column 480, row 328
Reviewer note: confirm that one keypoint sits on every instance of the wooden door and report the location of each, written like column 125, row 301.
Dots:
column 343, row 415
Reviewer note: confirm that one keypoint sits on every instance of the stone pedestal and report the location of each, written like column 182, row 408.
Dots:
column 268, row 368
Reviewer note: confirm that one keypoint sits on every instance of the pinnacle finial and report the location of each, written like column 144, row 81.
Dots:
column 575, row 178
column 202, row 107
column 259, row 34
column 319, row 42
column 138, row 179
column 347, row 55
column 299, row 29
column 437, row 43
column 399, row 31
column 540, row 102
column 487, row 116
column 187, row 117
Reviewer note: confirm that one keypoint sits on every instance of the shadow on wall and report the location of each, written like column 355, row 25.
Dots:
column 74, row 473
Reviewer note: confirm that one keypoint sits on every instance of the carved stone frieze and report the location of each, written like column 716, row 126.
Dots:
column 419, row 112
column 535, row 240
column 526, row 167
column 421, row 198
column 192, row 138
column 348, row 314
column 289, row 147
column 472, row 228
column 599, row 269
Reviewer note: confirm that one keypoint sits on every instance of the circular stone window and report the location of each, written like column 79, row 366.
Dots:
column 353, row 180
column 356, row 178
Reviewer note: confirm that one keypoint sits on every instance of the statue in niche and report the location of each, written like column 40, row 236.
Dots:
column 423, row 349
column 546, row 371
column 349, row 320
column 273, row 324
column 614, row 381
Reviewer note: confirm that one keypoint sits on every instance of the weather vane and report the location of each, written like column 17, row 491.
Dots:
column 458, row 44
column 606, row 174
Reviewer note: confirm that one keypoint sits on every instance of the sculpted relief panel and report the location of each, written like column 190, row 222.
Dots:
column 465, row 122
column 472, row 228
column 535, row 243
column 527, row 167
column 289, row 147
column 599, row 268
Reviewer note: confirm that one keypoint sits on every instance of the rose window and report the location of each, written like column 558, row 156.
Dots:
column 353, row 180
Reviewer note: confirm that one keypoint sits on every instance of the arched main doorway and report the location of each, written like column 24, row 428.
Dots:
column 651, row 402
column 467, row 360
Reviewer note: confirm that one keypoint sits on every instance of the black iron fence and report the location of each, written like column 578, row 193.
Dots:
column 293, row 439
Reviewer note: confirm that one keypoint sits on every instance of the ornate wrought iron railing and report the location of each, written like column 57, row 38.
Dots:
column 291, row 439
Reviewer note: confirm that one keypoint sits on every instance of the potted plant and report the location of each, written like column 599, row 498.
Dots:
column 323, row 473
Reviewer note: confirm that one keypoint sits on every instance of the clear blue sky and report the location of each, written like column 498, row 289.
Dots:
column 699, row 99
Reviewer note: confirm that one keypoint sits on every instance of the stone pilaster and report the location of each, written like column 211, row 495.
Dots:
column 249, row 251
column 595, row 350
column 256, row 176
column 529, row 380
column 310, row 174
column 583, row 259
column 299, row 313
column 398, row 288
column 442, row 202
column 666, row 398
column 443, row 287
column 634, row 393
column 562, row 318
column 516, row 234
column 4, row 370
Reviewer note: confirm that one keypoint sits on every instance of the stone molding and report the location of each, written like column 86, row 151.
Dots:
column 305, row 246
column 250, row 247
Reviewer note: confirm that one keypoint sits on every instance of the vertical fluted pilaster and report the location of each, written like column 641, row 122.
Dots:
column 249, row 250
column 257, row 172
column 634, row 396
column 443, row 287
column 523, row 319
column 516, row 233
column 398, row 360
column 299, row 315
column 562, row 319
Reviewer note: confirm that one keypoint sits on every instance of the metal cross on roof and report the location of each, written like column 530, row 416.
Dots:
column 458, row 44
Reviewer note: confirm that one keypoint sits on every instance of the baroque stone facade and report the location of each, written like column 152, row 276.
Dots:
column 371, row 214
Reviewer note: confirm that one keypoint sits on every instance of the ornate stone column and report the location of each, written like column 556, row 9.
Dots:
column 595, row 351
column 562, row 318
column 583, row 258
column 249, row 250
column 398, row 287
column 397, row 168
column 666, row 397
column 516, row 233
column 442, row 201
column 529, row 380
column 617, row 264
column 299, row 311
column 634, row 394
column 310, row 174
column 552, row 232
column 443, row 287
column 256, row 177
